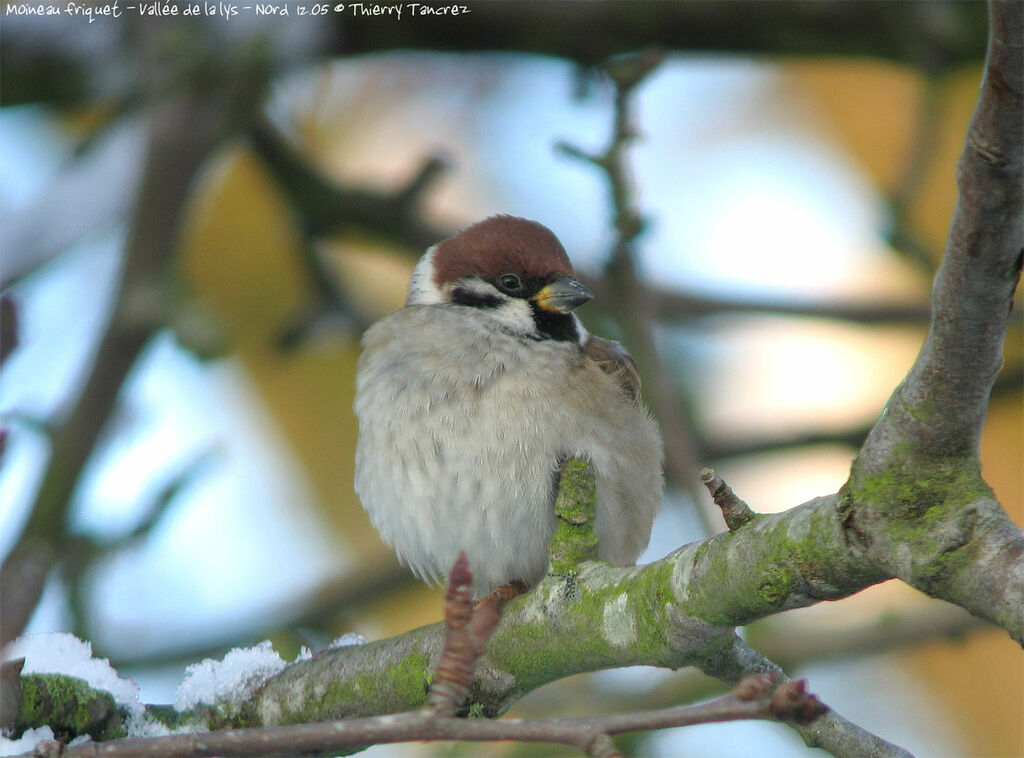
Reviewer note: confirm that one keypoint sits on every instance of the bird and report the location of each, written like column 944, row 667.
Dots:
column 471, row 396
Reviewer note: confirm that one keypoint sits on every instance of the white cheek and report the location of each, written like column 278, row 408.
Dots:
column 422, row 289
column 515, row 314
column 580, row 330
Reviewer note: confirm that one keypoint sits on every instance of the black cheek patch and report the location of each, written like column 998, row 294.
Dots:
column 463, row 296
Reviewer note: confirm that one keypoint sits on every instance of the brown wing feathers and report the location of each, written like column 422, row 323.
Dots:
column 616, row 361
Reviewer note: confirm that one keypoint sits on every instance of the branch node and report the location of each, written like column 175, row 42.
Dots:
column 754, row 687
column 627, row 71
column 580, row 154
column 736, row 511
column 792, row 703
column 601, row 746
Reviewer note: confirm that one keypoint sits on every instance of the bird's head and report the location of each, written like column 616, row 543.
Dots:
column 514, row 270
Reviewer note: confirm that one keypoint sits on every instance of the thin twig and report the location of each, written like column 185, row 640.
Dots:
column 754, row 674
column 788, row 703
column 627, row 299
column 734, row 509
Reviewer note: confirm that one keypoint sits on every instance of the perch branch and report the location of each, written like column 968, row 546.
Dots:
column 544, row 635
column 468, row 630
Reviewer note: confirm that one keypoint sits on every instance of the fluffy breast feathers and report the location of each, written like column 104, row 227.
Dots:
column 463, row 426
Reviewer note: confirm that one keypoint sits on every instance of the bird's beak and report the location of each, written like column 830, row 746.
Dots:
column 562, row 295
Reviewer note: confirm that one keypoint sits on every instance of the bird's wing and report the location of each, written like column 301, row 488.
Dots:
column 615, row 360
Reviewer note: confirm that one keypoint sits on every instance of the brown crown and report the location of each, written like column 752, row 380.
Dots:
column 501, row 244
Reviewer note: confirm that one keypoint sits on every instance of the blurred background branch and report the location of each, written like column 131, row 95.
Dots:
column 184, row 127
column 626, row 300
column 941, row 33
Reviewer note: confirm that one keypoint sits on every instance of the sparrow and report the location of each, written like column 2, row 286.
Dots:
column 471, row 397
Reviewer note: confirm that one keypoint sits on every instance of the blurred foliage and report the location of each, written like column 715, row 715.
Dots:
column 242, row 253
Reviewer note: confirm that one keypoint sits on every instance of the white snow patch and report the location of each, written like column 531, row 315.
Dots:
column 231, row 679
column 63, row 653
column 144, row 725
column 348, row 639
column 28, row 742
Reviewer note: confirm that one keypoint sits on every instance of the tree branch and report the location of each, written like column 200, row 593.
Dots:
column 468, row 628
column 325, row 207
column 915, row 501
column 675, row 612
column 606, row 617
column 944, row 399
column 831, row 732
column 588, row 617
column 674, row 305
column 788, row 642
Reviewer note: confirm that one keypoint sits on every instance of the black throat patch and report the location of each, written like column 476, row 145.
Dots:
column 560, row 327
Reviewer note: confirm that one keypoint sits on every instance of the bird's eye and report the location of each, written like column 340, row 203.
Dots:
column 510, row 283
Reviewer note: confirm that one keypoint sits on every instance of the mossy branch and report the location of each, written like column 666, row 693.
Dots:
column 75, row 708
column 69, row 706
column 575, row 507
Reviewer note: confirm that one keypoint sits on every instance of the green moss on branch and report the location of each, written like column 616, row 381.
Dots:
column 69, row 706
column 575, row 506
